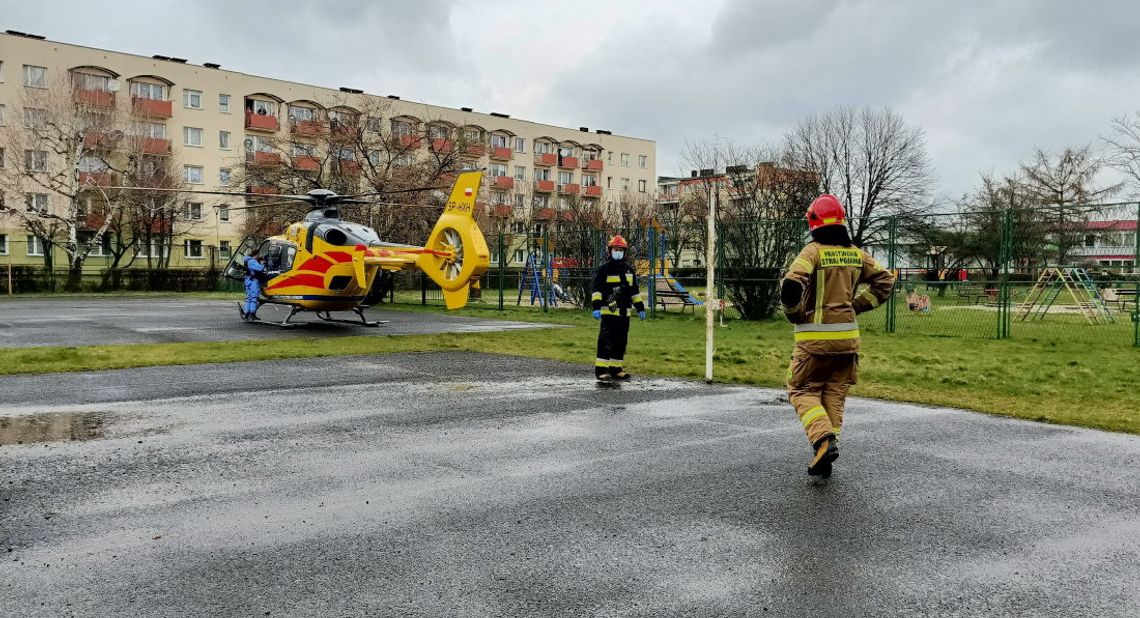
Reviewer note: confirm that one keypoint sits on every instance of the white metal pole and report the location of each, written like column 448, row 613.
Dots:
column 710, row 282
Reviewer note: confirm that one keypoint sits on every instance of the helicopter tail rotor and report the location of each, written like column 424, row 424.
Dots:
column 459, row 254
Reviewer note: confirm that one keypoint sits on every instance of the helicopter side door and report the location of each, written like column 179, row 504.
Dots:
column 235, row 268
column 279, row 255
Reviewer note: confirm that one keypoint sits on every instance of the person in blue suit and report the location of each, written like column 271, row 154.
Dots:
column 255, row 275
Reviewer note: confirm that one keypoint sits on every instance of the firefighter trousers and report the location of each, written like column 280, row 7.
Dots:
column 612, row 338
column 817, row 388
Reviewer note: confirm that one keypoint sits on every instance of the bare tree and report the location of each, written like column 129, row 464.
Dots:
column 1123, row 148
column 870, row 158
column 67, row 137
column 1065, row 193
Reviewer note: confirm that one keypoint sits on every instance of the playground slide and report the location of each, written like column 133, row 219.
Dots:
column 677, row 287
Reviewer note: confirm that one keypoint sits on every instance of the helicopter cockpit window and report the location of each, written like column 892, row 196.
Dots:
column 348, row 235
column 278, row 255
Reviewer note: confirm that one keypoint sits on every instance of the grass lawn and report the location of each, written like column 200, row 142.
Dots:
column 1045, row 373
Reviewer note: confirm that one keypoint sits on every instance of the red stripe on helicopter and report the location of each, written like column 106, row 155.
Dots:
column 340, row 256
column 316, row 264
column 309, row 281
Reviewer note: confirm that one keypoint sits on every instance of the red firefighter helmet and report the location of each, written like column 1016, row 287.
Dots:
column 617, row 242
column 826, row 210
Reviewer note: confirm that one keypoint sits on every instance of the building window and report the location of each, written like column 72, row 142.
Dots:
column 543, row 147
column 224, row 140
column 34, row 76
column 35, row 160
column 642, row 160
column 589, row 181
column 625, row 184
column 520, row 200
column 436, row 131
column 224, row 212
column 192, row 174
column 609, row 182
column 541, row 173
column 1, row 157
column 3, row 244
column 35, row 118
column 224, row 249
column 2, row 109
column 542, row 201
column 87, row 81
column 193, row 249
column 298, row 113
column 1090, row 240
column 565, row 178
column 497, row 169
column 518, row 227
column 156, row 249
column 520, row 256
column 144, row 90
column 402, row 128
column 152, row 130
column 520, row 173
column 609, row 156
column 520, row 144
column 498, row 141
column 191, row 99
column 641, row 186
column 224, row 176
column 373, row 124
column 224, row 103
column 35, row 246
column 192, row 211
column 192, row 136
column 36, row 202
column 625, row 159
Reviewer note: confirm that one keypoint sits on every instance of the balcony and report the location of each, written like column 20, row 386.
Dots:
column 344, row 132
column 262, row 190
column 475, row 150
column 504, row 182
column 442, row 145
column 570, row 189
column 593, row 190
column 409, row 141
column 306, row 128
column 93, row 221
column 306, row 163
column 568, row 163
column 152, row 145
column 501, row 210
column 151, row 108
column 545, row 159
column 592, row 165
column 501, row 153
column 348, row 167
column 544, row 214
column 1105, row 251
column 98, row 140
column 96, row 179
column 263, row 158
column 260, row 122
column 544, row 186
column 94, row 98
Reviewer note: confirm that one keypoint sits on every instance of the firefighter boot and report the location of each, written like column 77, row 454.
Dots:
column 622, row 375
column 826, row 452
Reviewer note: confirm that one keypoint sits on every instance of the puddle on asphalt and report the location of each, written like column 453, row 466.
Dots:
column 53, row 427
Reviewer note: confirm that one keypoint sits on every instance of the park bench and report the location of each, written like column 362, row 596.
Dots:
column 973, row 294
column 668, row 297
column 1123, row 298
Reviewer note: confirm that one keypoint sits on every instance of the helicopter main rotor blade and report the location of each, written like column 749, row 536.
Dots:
column 202, row 191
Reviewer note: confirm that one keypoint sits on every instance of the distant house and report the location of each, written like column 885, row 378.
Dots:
column 1108, row 244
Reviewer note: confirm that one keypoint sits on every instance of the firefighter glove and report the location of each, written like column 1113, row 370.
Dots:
column 791, row 293
column 597, row 314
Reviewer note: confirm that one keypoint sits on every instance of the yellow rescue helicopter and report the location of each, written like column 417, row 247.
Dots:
column 324, row 263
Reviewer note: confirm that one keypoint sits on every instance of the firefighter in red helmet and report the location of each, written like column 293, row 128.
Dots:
column 820, row 297
column 615, row 297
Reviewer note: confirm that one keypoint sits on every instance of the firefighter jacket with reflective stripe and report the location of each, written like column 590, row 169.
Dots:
column 830, row 277
column 615, row 289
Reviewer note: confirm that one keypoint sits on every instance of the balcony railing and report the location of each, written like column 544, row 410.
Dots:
column 409, row 141
column 1114, row 250
column 151, row 108
column 94, row 98
column 475, row 150
column 349, row 167
column 306, row 128
column 544, row 186
column 592, row 165
column 261, row 157
column 570, row 189
column 593, row 190
column 262, row 190
column 545, row 159
column 98, row 140
column 504, row 182
column 442, row 145
column 501, row 210
column 306, row 163
column 344, row 132
column 152, row 145
column 260, row 122
column 96, row 179
column 568, row 163
column 544, row 214
column 501, row 153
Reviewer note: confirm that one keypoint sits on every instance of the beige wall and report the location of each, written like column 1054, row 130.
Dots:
column 60, row 58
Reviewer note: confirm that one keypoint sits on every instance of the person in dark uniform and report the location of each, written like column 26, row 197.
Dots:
column 615, row 296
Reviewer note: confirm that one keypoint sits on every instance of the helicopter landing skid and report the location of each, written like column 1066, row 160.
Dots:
column 282, row 324
column 327, row 317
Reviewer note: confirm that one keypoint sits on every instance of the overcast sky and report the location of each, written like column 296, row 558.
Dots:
column 988, row 80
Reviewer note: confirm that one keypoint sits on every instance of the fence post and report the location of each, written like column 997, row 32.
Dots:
column 652, row 284
column 546, row 269
column 892, row 257
column 423, row 289
column 502, row 261
column 1136, row 284
column 1005, row 256
column 9, row 278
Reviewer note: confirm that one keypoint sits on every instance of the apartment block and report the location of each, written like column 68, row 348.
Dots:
column 211, row 121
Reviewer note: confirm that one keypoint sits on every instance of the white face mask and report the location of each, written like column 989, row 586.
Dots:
column 618, row 254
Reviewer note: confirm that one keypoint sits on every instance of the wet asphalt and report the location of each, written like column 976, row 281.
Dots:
column 443, row 484
column 75, row 321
